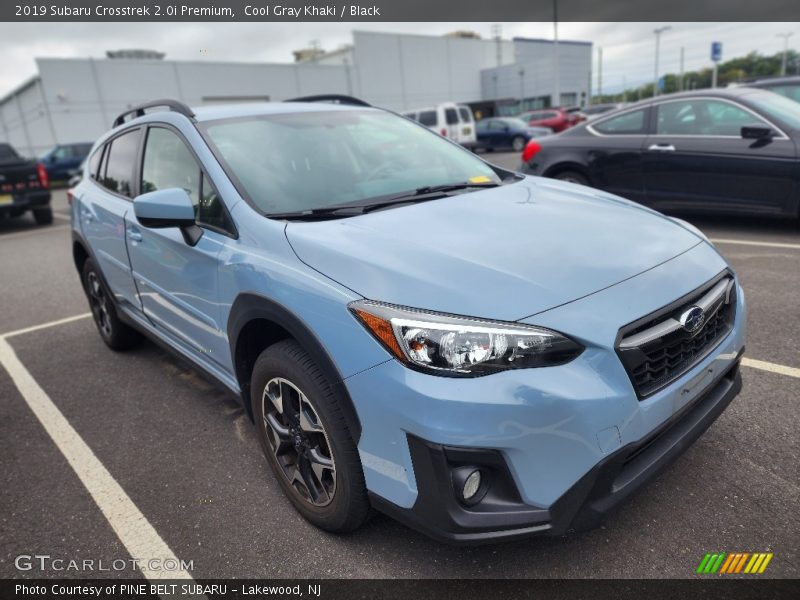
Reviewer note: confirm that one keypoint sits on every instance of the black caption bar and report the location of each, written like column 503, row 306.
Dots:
column 420, row 589
column 399, row 10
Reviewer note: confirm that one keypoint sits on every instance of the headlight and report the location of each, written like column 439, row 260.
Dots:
column 458, row 346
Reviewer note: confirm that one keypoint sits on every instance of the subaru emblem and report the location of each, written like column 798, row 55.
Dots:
column 693, row 319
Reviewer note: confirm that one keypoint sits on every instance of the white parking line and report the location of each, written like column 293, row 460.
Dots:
column 45, row 325
column 752, row 243
column 771, row 367
column 133, row 529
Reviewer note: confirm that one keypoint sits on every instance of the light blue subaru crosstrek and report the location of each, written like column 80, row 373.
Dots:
column 479, row 354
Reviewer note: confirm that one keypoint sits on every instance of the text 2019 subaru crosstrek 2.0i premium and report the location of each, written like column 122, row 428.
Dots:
column 479, row 354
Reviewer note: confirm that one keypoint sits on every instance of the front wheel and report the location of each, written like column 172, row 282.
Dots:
column 305, row 438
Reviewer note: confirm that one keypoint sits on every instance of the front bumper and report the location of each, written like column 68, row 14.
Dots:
column 440, row 515
column 553, row 427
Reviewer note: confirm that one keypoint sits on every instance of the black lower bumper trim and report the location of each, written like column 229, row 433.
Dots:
column 502, row 515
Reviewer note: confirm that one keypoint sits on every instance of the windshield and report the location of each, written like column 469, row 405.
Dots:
column 311, row 160
column 777, row 106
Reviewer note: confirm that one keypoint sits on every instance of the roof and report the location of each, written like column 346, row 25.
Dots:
column 228, row 111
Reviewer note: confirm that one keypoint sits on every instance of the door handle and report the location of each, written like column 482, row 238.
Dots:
column 134, row 234
column 662, row 148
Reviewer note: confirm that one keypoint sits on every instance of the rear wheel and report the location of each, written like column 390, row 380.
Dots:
column 572, row 177
column 116, row 334
column 306, row 440
column 518, row 143
column 43, row 216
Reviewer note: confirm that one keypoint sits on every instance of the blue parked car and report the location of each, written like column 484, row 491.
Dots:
column 480, row 354
column 506, row 133
column 64, row 160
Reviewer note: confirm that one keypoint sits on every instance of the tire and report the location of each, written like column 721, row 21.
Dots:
column 572, row 177
column 43, row 216
column 116, row 334
column 314, row 459
column 518, row 144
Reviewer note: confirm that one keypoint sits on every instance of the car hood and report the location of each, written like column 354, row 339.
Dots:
column 502, row 253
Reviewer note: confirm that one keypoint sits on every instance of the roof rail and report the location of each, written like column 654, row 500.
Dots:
column 138, row 111
column 332, row 99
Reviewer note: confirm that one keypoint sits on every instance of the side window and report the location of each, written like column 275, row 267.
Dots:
column 464, row 113
column 62, row 152
column 168, row 163
column 94, row 162
column 791, row 91
column 117, row 169
column 427, row 118
column 451, row 116
column 703, row 117
column 628, row 124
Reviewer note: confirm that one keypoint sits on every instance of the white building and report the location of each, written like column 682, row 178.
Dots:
column 76, row 99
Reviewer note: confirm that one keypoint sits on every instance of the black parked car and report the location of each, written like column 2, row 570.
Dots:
column 785, row 86
column 506, row 133
column 732, row 151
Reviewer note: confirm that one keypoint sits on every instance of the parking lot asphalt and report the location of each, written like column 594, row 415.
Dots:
column 186, row 454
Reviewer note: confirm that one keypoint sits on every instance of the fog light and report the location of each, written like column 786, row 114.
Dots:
column 471, row 485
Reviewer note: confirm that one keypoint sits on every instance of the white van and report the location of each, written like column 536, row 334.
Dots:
column 450, row 120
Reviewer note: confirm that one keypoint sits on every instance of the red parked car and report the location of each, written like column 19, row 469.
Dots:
column 556, row 119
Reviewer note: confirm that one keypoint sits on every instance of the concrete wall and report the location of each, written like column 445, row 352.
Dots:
column 404, row 72
column 535, row 57
column 75, row 100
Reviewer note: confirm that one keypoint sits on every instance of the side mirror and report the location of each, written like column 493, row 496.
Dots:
column 168, row 208
column 756, row 132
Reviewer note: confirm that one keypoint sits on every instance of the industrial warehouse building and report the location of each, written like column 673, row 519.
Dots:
column 76, row 99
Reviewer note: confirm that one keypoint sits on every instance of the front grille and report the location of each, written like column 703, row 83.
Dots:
column 658, row 349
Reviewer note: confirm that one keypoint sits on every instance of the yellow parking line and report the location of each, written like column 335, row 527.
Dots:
column 752, row 243
column 771, row 367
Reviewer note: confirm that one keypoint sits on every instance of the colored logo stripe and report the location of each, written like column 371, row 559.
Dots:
column 735, row 562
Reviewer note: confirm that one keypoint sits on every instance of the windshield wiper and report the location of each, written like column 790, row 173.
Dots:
column 421, row 194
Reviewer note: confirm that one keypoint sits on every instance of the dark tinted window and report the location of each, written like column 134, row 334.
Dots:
column 168, row 163
column 7, row 152
column 451, row 116
column 118, row 164
column 427, row 117
column 464, row 113
column 626, row 124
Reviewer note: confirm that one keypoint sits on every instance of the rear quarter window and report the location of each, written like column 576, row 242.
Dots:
column 627, row 124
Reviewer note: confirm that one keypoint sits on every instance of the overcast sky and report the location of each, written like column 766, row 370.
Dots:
column 628, row 48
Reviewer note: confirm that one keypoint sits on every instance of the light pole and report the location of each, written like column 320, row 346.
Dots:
column 555, row 100
column 521, row 87
column 658, row 31
column 785, row 37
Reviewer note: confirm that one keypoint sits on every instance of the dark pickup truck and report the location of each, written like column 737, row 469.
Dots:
column 24, row 185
